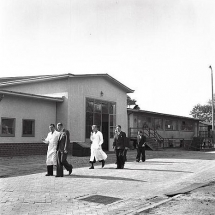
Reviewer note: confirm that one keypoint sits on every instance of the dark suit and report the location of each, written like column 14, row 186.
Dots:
column 63, row 143
column 119, row 145
column 141, row 147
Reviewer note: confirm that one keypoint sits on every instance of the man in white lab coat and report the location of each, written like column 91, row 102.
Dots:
column 97, row 154
column 52, row 141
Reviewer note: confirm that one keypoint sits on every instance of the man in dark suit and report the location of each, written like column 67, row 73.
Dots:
column 141, row 141
column 62, row 151
column 119, row 146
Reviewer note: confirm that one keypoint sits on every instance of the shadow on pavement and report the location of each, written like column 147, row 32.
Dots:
column 159, row 170
column 106, row 178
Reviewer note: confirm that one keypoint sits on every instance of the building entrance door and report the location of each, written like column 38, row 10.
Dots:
column 105, row 131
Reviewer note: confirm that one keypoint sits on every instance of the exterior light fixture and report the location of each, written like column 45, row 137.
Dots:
column 101, row 93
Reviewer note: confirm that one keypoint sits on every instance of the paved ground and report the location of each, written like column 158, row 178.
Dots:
column 25, row 190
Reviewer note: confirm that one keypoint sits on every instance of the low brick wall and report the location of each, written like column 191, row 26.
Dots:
column 19, row 149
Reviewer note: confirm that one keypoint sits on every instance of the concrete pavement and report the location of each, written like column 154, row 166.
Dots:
column 113, row 191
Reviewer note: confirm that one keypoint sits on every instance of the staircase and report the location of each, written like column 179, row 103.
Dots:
column 153, row 140
column 152, row 144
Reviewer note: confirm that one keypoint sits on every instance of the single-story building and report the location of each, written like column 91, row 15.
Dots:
column 29, row 104
column 205, row 129
column 168, row 130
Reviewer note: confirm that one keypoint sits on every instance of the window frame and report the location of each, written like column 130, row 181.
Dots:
column 99, row 101
column 186, row 126
column 171, row 129
column 33, row 128
column 14, row 127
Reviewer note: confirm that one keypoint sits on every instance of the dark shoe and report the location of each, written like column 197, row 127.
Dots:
column 70, row 171
column 143, row 161
column 137, row 161
column 48, row 175
column 92, row 167
column 103, row 163
column 58, row 176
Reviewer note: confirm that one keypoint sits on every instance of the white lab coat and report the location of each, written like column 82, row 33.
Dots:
column 96, row 148
column 52, row 141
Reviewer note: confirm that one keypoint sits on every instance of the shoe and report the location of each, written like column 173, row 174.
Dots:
column 92, row 167
column 103, row 163
column 70, row 171
column 137, row 161
column 48, row 175
column 58, row 176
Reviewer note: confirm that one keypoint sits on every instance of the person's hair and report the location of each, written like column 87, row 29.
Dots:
column 140, row 131
column 52, row 125
column 118, row 126
column 60, row 123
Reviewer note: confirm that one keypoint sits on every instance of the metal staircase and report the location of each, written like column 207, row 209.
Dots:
column 153, row 140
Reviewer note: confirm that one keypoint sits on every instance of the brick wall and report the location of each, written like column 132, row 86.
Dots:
column 18, row 149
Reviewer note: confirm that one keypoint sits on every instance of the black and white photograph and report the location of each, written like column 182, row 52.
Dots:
column 107, row 107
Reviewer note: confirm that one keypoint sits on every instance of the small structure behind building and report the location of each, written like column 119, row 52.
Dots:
column 162, row 130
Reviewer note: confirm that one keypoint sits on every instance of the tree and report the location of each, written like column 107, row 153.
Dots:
column 203, row 112
column 130, row 101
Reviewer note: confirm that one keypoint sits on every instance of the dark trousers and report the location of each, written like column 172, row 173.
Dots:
column 62, row 162
column 50, row 169
column 125, row 154
column 141, row 151
column 120, row 158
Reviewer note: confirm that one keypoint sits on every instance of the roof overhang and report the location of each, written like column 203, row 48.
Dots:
column 161, row 114
column 28, row 95
column 4, row 82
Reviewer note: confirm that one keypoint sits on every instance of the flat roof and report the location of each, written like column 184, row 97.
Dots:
column 34, row 96
column 161, row 114
column 7, row 81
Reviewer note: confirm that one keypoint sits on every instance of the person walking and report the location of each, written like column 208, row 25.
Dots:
column 119, row 145
column 62, row 151
column 52, row 141
column 97, row 154
column 141, row 143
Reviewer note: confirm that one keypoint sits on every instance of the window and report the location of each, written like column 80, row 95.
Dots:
column 143, row 122
column 102, row 114
column 158, row 124
column 187, row 126
column 171, row 125
column 28, row 128
column 7, row 127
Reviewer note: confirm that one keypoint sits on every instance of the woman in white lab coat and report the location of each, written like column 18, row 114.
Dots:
column 97, row 154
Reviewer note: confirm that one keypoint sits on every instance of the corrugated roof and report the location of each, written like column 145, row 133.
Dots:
column 161, row 114
column 28, row 95
column 29, row 79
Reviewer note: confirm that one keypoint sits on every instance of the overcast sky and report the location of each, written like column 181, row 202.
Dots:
column 160, row 48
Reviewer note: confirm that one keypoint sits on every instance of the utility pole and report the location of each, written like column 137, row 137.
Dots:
column 212, row 102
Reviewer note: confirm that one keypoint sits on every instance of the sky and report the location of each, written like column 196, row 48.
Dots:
column 162, row 49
